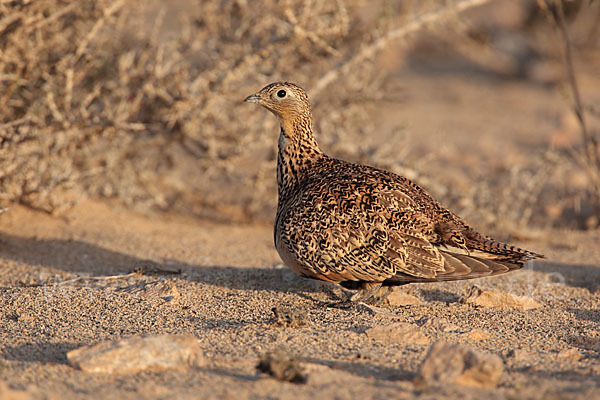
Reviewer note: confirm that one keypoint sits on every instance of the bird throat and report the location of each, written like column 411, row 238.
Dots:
column 297, row 151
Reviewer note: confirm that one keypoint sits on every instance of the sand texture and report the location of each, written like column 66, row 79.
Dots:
column 100, row 274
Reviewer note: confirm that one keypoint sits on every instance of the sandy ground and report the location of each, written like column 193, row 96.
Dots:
column 228, row 284
column 70, row 281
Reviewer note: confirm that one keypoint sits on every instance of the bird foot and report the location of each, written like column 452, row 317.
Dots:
column 371, row 293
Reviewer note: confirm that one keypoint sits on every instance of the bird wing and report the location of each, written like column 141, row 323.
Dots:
column 356, row 232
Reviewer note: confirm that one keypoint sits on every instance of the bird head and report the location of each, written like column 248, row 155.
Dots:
column 284, row 99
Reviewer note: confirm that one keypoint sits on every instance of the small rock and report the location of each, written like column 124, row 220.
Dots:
column 288, row 316
column 571, row 354
column 282, row 367
column 477, row 334
column 398, row 333
column 398, row 298
column 490, row 298
column 457, row 364
column 136, row 354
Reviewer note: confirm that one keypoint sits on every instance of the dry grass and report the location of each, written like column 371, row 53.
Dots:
column 98, row 99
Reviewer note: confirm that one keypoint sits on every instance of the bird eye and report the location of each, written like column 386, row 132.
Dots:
column 281, row 94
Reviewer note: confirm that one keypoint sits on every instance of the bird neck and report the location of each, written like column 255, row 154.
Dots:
column 298, row 150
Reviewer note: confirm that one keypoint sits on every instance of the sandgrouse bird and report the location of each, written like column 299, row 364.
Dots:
column 362, row 227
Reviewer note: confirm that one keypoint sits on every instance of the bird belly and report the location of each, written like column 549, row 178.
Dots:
column 288, row 259
column 292, row 263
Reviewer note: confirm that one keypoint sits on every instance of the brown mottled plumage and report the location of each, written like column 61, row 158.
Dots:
column 363, row 227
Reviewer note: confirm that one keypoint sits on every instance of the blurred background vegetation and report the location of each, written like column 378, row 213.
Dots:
column 141, row 102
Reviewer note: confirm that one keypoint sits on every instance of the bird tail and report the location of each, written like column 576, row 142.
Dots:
column 459, row 267
column 486, row 258
column 502, row 251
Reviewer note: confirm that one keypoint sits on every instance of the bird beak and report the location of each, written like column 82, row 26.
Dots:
column 253, row 98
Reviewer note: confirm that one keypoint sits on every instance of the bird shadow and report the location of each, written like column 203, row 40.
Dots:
column 80, row 257
column 44, row 352
column 439, row 295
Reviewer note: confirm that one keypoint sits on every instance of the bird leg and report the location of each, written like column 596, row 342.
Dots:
column 370, row 293
column 367, row 292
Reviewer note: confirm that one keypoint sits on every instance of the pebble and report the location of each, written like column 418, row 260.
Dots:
column 398, row 298
column 458, row 364
column 478, row 334
column 282, row 366
column 138, row 353
column 289, row 316
column 490, row 299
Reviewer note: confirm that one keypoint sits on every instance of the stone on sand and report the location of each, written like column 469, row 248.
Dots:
column 138, row 353
column 282, row 366
column 491, row 298
column 477, row 334
column 398, row 333
column 398, row 298
column 457, row 364
column 289, row 316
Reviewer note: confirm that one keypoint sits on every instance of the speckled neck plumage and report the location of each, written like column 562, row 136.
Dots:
column 297, row 151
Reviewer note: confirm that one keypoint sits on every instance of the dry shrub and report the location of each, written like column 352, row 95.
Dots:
column 96, row 103
column 73, row 109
